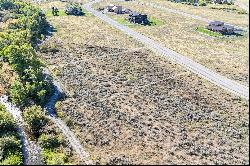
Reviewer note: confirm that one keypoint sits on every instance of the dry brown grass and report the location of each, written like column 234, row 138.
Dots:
column 131, row 106
column 227, row 55
column 207, row 12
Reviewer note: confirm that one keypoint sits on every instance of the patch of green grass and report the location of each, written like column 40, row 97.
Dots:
column 125, row 22
column 208, row 32
column 155, row 22
column 152, row 22
column 60, row 13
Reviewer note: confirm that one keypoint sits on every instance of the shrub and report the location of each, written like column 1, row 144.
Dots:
column 13, row 159
column 54, row 158
column 9, row 145
column 35, row 118
column 18, row 94
column 73, row 9
column 31, row 85
column 7, row 124
column 7, row 4
column 16, row 47
column 50, row 141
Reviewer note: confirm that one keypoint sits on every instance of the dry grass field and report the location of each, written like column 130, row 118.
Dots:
column 225, row 55
column 229, row 16
column 130, row 106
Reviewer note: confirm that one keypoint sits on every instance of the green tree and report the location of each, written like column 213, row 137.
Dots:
column 18, row 93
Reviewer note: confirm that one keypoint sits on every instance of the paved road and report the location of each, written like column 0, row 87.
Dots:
column 30, row 150
column 186, row 14
column 202, row 71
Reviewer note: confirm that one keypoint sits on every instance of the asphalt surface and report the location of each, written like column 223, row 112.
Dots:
column 200, row 70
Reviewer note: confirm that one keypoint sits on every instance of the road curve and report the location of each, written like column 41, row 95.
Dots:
column 202, row 71
column 69, row 135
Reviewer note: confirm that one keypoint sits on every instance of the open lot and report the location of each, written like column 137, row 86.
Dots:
column 128, row 105
column 225, row 55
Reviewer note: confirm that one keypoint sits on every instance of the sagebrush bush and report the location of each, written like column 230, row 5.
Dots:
column 7, row 123
column 50, row 141
column 10, row 144
column 13, row 159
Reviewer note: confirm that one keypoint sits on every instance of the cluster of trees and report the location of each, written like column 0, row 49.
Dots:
column 51, row 141
column 31, row 87
column 10, row 144
column 17, row 44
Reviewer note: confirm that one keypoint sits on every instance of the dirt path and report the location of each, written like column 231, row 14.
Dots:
column 202, row 71
column 84, row 156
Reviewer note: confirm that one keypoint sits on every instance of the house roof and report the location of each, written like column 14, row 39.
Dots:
column 111, row 5
column 134, row 14
column 217, row 23
column 228, row 27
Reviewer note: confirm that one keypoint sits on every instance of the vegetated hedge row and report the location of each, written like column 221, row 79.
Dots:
column 10, row 144
column 51, row 141
column 26, row 25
